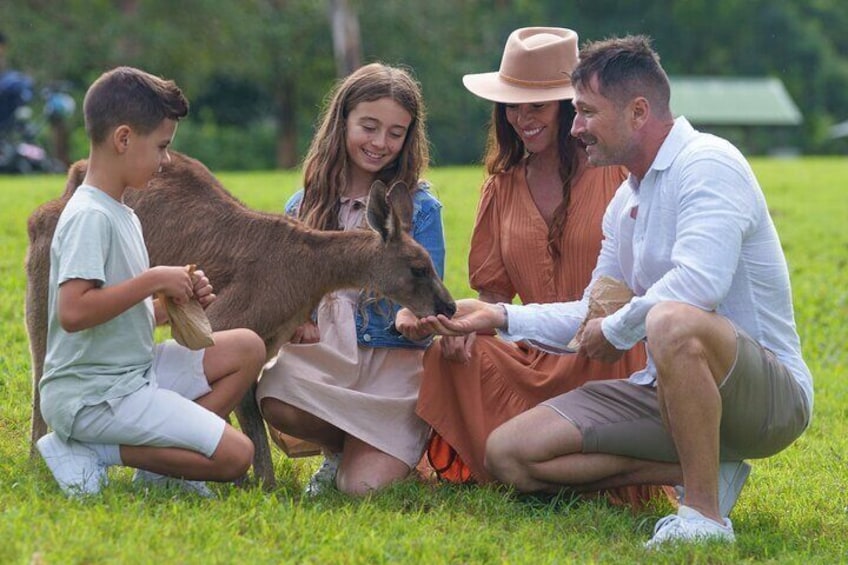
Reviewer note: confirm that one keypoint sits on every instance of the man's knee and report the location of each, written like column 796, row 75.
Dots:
column 681, row 334
column 672, row 329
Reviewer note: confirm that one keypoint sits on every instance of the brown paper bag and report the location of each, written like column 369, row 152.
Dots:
column 293, row 447
column 189, row 325
column 607, row 296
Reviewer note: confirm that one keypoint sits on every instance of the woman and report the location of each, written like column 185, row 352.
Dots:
column 537, row 236
column 349, row 381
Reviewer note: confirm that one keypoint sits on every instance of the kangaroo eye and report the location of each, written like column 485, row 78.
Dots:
column 418, row 272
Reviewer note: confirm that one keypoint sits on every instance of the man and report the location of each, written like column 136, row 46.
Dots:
column 690, row 234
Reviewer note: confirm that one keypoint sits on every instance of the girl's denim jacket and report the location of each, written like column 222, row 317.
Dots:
column 375, row 320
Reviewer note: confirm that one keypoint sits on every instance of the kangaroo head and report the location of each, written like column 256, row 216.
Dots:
column 405, row 271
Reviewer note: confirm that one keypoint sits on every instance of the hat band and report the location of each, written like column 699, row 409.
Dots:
column 536, row 83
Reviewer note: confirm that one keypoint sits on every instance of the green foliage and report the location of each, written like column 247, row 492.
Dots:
column 793, row 510
column 281, row 54
column 229, row 147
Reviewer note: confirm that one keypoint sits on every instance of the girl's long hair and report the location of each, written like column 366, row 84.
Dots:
column 504, row 150
column 326, row 164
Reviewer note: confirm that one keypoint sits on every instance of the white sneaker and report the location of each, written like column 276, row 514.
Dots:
column 732, row 476
column 75, row 466
column 156, row 480
column 325, row 477
column 690, row 526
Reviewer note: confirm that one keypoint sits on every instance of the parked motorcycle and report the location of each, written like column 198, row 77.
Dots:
column 20, row 152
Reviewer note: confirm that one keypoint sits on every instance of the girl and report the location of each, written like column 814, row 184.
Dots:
column 349, row 381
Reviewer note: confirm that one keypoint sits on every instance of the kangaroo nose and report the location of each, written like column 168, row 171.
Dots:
column 446, row 308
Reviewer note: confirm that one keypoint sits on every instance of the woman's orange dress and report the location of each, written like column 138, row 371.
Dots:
column 509, row 256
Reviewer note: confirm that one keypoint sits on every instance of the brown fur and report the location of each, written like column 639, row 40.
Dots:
column 269, row 271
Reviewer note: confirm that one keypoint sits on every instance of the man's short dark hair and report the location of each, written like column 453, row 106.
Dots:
column 626, row 67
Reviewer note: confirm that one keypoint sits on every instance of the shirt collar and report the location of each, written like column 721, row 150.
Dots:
column 677, row 138
column 348, row 200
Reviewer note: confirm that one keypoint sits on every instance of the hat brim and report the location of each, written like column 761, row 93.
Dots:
column 490, row 86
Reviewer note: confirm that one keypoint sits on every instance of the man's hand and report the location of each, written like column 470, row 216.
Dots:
column 471, row 315
column 594, row 344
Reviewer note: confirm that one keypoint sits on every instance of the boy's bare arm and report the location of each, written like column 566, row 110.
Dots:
column 83, row 305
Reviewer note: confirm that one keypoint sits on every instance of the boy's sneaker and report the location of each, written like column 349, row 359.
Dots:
column 325, row 477
column 75, row 466
column 731, row 478
column 156, row 480
column 690, row 526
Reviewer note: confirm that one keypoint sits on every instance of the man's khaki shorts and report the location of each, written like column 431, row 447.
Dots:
column 763, row 411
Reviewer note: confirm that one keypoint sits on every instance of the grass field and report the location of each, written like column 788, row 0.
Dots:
column 793, row 510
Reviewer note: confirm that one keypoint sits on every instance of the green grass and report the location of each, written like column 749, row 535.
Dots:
column 793, row 510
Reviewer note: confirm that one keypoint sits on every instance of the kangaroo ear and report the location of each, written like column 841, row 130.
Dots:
column 76, row 173
column 378, row 214
column 400, row 201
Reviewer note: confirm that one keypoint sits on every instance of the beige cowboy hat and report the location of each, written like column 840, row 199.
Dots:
column 536, row 67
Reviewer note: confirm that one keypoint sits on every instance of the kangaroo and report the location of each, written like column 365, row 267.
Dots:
column 268, row 270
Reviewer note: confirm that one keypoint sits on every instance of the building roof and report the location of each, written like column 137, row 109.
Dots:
column 740, row 101
column 839, row 130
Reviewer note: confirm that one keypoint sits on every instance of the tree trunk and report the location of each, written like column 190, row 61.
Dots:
column 286, row 157
column 347, row 47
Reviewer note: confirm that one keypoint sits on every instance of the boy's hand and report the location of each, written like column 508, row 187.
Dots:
column 203, row 290
column 175, row 282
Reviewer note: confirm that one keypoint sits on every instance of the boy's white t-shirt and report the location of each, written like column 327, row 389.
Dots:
column 99, row 239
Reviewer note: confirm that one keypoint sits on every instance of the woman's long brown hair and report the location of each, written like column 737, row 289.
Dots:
column 504, row 150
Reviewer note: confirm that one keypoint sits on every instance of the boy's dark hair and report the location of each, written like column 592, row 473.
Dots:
column 626, row 67
column 130, row 96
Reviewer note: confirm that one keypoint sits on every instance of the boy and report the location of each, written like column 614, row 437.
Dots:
column 110, row 394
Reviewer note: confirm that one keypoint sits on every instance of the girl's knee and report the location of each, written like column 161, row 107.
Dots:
column 283, row 417
column 363, row 484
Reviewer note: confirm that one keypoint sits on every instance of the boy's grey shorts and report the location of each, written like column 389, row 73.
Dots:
column 763, row 411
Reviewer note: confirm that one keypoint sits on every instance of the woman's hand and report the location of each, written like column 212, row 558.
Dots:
column 458, row 348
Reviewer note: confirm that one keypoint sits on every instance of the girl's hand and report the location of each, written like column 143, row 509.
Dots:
column 408, row 325
column 306, row 332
